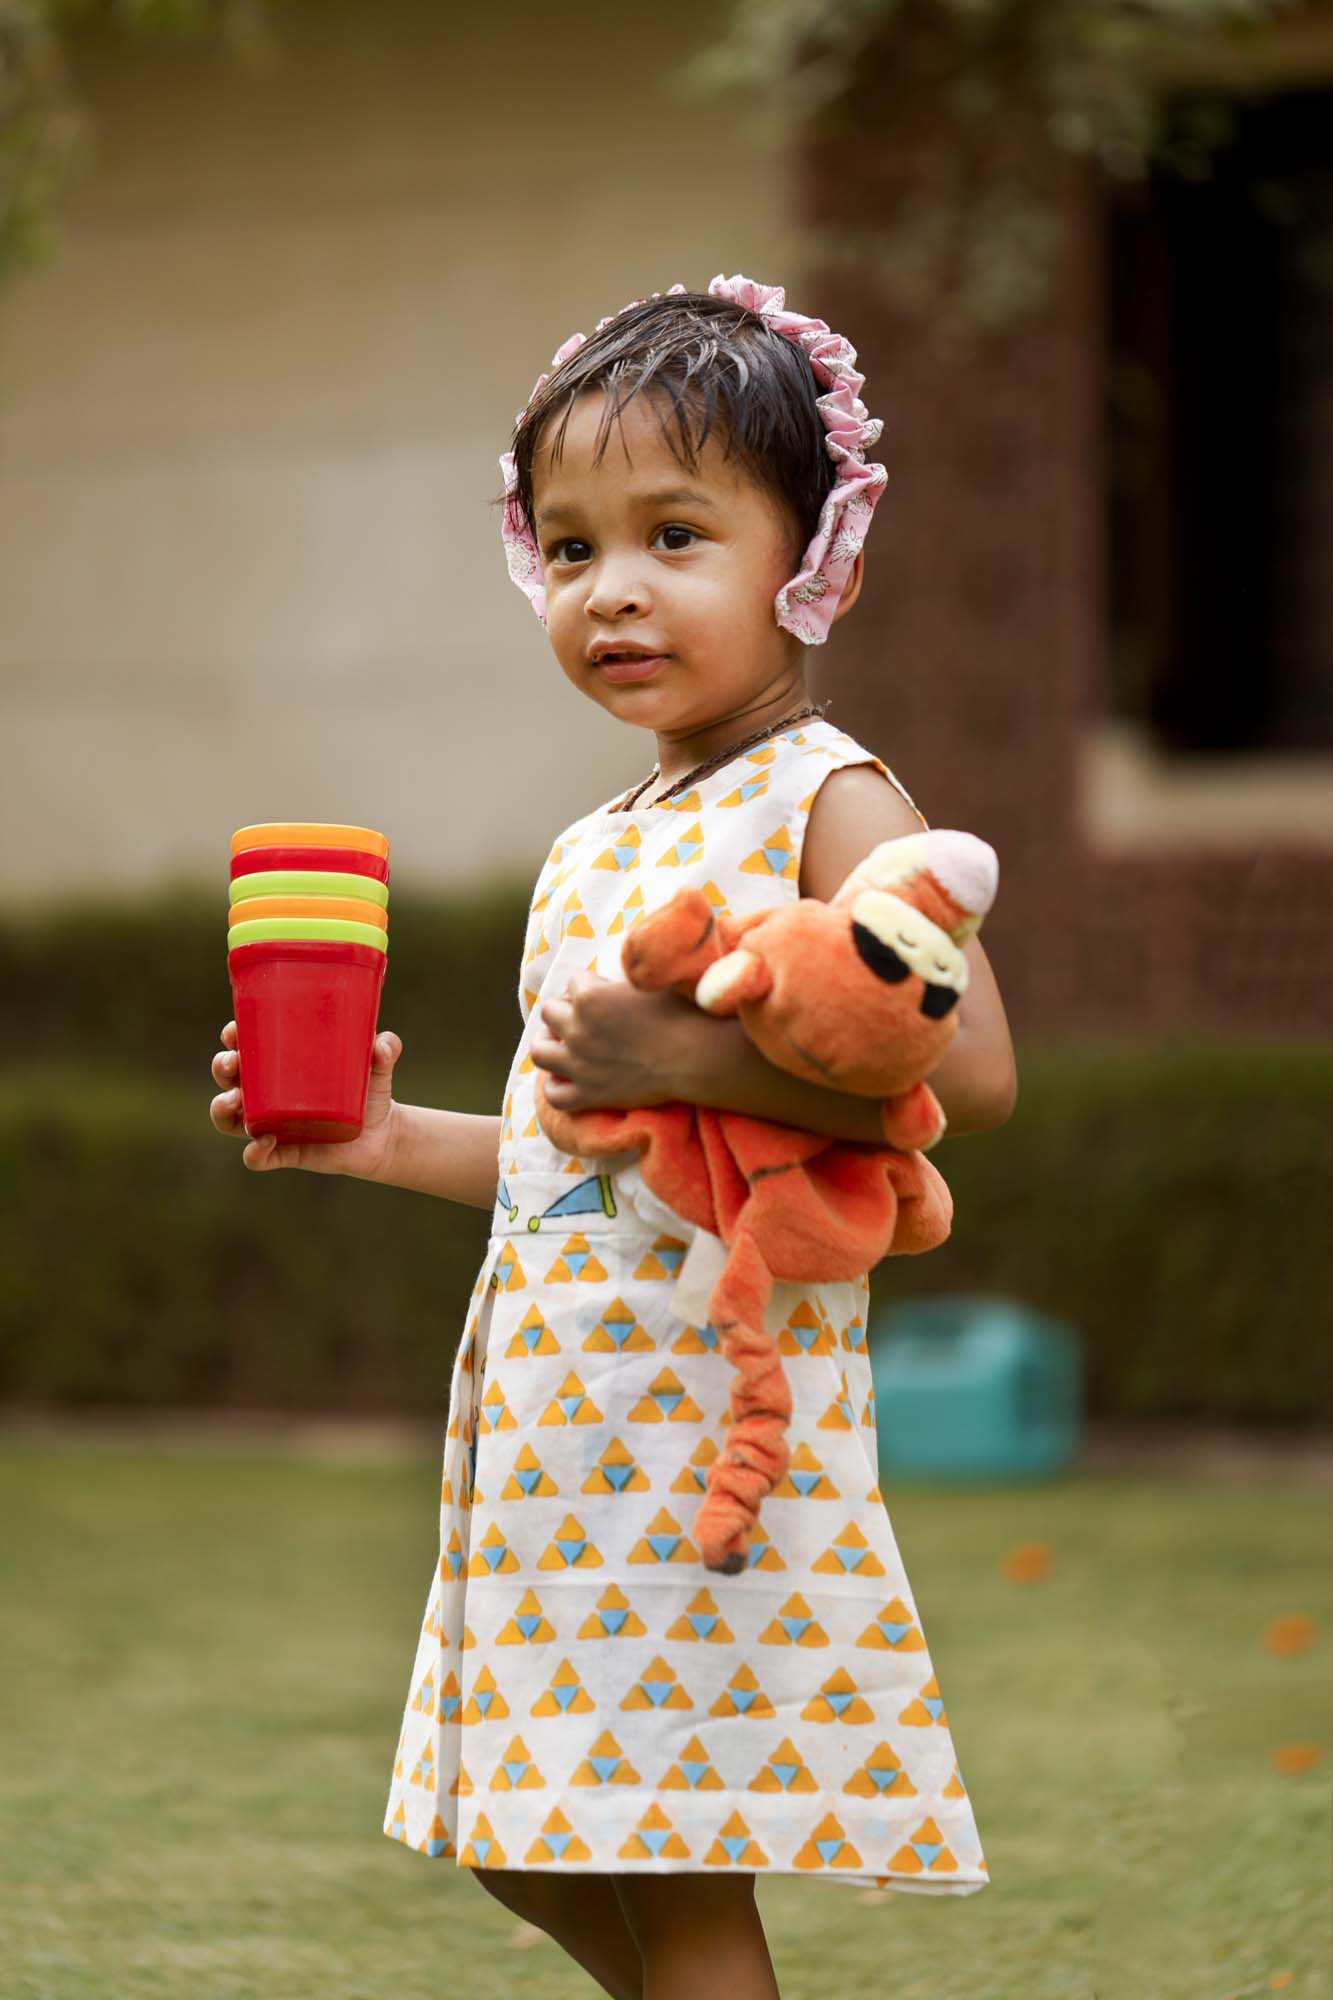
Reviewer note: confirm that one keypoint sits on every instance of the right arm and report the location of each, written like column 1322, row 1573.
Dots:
column 452, row 1154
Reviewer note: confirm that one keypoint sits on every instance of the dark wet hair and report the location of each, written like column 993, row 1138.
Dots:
column 708, row 364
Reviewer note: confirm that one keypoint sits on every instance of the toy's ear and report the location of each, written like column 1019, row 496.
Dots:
column 730, row 980
column 964, row 867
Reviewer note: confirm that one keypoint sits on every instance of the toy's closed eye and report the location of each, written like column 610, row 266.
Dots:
column 894, row 938
column 882, row 959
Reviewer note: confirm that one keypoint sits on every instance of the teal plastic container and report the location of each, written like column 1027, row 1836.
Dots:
column 975, row 1387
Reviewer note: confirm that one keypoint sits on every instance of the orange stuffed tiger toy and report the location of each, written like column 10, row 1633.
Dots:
column 858, row 994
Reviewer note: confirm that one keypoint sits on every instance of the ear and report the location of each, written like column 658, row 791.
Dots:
column 851, row 590
column 730, row 980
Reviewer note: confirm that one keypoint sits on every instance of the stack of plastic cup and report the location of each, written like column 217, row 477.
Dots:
column 307, row 946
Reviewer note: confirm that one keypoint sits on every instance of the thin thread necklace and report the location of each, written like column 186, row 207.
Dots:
column 715, row 762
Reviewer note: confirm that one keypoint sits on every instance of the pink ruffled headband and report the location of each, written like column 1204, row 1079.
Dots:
column 806, row 603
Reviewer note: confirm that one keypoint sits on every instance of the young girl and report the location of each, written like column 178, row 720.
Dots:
column 613, row 1739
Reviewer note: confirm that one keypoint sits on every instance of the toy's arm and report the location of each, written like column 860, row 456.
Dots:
column 913, row 1121
column 675, row 945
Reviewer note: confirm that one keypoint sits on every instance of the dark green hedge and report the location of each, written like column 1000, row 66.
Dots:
column 1171, row 1200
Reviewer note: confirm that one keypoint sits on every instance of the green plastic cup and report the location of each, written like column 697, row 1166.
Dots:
column 265, row 930
column 307, row 882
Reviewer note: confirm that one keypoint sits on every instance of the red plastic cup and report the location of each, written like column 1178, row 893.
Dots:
column 306, row 1010
column 342, row 861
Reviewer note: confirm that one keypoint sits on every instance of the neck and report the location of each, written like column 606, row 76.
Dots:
column 678, row 751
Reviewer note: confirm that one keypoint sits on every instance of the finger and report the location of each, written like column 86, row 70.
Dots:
column 228, row 1035
column 225, row 1112
column 387, row 1049
column 225, row 1066
column 549, row 1055
column 260, row 1153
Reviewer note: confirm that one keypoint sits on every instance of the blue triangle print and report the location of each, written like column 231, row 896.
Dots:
column 663, row 1546
column 571, row 1551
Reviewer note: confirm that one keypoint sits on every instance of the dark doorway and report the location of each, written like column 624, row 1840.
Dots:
column 1220, row 378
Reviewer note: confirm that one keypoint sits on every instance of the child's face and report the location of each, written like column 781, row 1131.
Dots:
column 642, row 553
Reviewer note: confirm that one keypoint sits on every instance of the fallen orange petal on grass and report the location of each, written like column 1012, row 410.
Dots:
column 1277, row 1979
column 1026, row 1561
column 1291, row 1634
column 1294, row 1758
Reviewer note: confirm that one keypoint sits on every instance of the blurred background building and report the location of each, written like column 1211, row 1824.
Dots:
column 251, row 412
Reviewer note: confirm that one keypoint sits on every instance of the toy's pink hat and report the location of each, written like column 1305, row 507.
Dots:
column 806, row 603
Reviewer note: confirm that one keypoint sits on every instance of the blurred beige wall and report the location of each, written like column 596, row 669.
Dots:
column 250, row 419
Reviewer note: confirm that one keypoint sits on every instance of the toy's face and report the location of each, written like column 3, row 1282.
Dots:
column 897, row 942
column 862, row 998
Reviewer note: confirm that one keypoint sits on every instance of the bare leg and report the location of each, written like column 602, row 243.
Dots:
column 582, row 1913
column 700, row 1936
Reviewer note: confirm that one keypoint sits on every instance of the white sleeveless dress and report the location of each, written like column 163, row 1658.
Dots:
column 585, row 1694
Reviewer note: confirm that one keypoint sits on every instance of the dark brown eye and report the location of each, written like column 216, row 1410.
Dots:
column 882, row 959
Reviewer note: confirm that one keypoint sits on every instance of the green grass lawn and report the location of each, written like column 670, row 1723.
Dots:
column 204, row 1661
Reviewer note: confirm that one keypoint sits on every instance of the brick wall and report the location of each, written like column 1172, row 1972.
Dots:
column 977, row 655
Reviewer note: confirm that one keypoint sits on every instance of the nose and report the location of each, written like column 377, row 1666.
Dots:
column 615, row 588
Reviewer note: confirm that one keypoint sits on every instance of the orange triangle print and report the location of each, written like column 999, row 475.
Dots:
column 838, row 1701
column 654, row 1839
column 735, row 1847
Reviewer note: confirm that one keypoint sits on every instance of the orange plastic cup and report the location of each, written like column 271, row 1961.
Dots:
column 309, row 833
column 343, row 909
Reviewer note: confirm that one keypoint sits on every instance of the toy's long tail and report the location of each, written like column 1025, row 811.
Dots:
column 756, row 1454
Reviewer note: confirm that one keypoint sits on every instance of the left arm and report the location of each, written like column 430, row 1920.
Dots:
column 976, row 1080
column 621, row 1047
